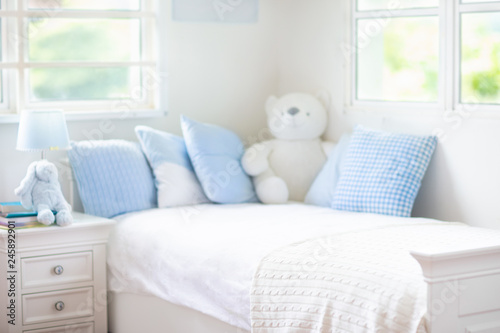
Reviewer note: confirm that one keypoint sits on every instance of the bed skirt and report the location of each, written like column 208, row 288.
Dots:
column 132, row 313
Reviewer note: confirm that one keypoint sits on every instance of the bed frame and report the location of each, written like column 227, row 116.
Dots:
column 463, row 297
column 463, row 290
column 129, row 313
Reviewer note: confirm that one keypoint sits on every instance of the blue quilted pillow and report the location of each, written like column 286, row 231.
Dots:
column 383, row 172
column 113, row 177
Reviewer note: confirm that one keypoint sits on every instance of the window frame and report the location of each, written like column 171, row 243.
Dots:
column 449, row 13
column 15, row 64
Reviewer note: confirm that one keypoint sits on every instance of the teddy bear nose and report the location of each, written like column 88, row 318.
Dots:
column 293, row 111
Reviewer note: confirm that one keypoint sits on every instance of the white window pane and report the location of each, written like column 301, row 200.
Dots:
column 84, row 84
column 1, row 87
column 399, row 62
column 84, row 40
column 10, row 39
column 480, row 68
column 8, row 4
column 85, row 4
column 1, row 39
column 394, row 5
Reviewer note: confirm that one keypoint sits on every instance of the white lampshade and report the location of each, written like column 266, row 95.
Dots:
column 42, row 130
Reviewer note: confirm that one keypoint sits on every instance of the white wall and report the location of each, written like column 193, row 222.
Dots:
column 463, row 182
column 223, row 73
column 219, row 73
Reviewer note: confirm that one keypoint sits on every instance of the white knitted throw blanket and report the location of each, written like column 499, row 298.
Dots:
column 361, row 281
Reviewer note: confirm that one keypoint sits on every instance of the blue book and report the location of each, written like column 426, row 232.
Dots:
column 19, row 221
column 19, row 214
column 12, row 207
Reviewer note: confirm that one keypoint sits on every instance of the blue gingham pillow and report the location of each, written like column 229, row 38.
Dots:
column 383, row 172
column 113, row 177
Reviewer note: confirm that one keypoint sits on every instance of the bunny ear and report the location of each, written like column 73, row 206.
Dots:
column 26, row 186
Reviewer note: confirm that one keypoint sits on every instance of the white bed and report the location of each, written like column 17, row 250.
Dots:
column 192, row 269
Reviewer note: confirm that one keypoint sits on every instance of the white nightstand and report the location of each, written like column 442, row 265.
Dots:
column 56, row 279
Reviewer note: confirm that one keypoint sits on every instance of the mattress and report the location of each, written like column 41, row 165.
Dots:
column 205, row 257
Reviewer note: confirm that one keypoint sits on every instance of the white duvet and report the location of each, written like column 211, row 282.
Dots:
column 205, row 257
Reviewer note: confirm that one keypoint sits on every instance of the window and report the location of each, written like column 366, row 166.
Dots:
column 430, row 53
column 480, row 57
column 76, row 55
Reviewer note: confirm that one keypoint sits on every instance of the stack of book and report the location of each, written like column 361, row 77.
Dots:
column 14, row 212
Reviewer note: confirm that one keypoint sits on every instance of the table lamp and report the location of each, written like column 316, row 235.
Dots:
column 42, row 131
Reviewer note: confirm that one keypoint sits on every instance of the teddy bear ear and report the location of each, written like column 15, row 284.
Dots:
column 324, row 97
column 270, row 103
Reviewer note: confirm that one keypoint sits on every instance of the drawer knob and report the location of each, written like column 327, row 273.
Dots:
column 59, row 306
column 58, row 270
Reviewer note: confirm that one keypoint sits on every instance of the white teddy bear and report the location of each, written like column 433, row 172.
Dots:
column 40, row 189
column 284, row 168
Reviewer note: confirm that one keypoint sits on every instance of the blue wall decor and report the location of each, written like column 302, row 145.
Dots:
column 223, row 11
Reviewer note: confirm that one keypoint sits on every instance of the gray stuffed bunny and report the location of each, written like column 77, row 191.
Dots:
column 40, row 189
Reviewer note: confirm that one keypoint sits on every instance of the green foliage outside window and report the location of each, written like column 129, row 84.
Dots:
column 83, row 40
column 481, row 58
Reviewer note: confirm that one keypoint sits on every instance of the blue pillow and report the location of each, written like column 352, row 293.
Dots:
column 383, row 172
column 175, row 179
column 113, row 177
column 216, row 153
column 325, row 183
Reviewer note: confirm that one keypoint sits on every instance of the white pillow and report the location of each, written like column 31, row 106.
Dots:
column 175, row 179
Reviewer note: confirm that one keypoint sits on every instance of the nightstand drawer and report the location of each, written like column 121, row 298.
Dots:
column 57, row 305
column 54, row 270
column 78, row 328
